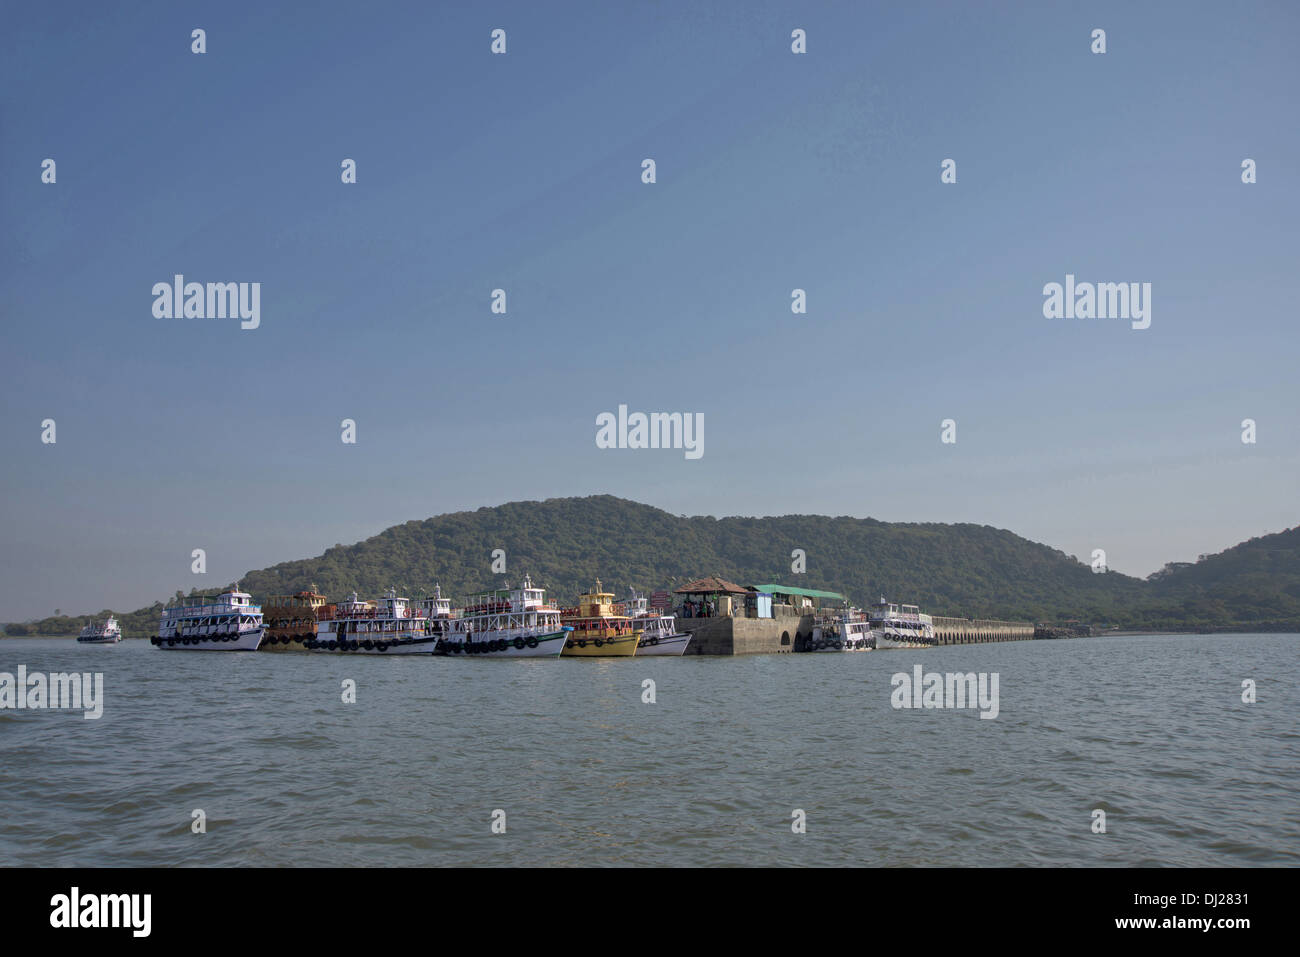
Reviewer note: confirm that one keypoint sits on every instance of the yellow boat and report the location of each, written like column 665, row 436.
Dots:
column 597, row 631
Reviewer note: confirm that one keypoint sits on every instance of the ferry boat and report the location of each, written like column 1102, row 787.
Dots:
column 107, row 633
column 598, row 632
column 437, row 612
column 291, row 620
column 848, row 632
column 386, row 627
column 504, row 623
column 659, row 634
column 229, row 622
column 901, row 626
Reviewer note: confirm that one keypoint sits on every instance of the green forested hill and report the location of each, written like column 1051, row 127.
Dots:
column 564, row 544
column 960, row 570
column 1252, row 585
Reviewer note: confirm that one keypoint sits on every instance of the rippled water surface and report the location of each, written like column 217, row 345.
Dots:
column 1150, row 729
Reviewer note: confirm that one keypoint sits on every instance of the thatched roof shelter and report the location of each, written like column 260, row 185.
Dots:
column 712, row 585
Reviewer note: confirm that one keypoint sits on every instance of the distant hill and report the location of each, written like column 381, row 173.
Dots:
column 959, row 570
column 1254, row 585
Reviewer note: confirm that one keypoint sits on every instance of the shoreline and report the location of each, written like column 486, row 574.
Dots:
column 1107, row 634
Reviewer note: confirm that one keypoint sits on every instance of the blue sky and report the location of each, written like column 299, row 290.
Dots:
column 522, row 171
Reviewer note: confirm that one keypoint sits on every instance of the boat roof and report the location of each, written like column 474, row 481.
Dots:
column 525, row 585
column 210, row 599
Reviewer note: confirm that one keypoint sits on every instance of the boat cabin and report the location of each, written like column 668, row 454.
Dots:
column 435, row 606
column 527, row 597
column 354, row 608
column 391, row 606
column 884, row 610
column 636, row 606
column 596, row 603
column 225, row 603
column 307, row 601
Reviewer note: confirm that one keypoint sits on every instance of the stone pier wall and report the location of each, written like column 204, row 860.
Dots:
column 965, row 631
column 745, row 636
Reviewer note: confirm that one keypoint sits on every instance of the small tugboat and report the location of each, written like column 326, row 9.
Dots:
column 901, row 626
column 367, row 628
column 848, row 632
column 505, row 623
column 597, row 631
column 659, row 634
column 229, row 622
column 107, row 633
column 291, row 620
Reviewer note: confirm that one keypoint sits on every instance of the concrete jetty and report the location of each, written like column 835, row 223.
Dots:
column 966, row 631
column 730, row 619
column 746, row 636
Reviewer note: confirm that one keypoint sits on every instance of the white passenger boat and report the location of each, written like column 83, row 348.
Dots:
column 229, row 622
column 105, row 633
column 659, row 634
column 505, row 623
column 388, row 627
column 901, row 626
column 848, row 632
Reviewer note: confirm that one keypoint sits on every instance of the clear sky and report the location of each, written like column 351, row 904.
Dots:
column 522, row 171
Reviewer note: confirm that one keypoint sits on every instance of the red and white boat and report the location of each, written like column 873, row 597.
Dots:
column 505, row 623
column 386, row 627
column 229, row 622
